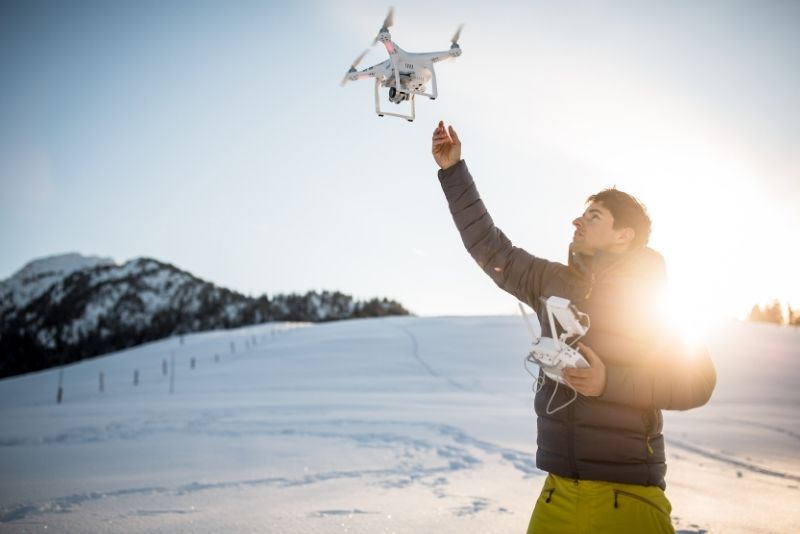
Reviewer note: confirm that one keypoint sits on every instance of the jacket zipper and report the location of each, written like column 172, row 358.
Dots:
column 588, row 294
column 571, row 441
column 649, row 426
column 639, row 498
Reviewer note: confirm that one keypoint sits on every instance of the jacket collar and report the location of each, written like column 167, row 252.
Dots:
column 644, row 260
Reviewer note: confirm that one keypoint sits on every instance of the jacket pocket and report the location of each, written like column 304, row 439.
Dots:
column 622, row 495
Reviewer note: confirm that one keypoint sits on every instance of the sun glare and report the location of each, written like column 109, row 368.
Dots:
column 689, row 316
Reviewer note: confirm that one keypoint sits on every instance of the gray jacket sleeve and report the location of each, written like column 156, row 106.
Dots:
column 510, row 267
column 677, row 377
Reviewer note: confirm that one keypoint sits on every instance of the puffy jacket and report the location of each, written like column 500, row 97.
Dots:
column 616, row 437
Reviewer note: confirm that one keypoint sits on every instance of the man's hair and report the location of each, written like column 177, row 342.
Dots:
column 628, row 212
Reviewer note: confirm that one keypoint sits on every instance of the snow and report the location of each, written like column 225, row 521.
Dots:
column 403, row 425
column 37, row 276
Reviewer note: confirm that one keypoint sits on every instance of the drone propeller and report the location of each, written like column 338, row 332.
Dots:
column 454, row 40
column 388, row 22
column 353, row 66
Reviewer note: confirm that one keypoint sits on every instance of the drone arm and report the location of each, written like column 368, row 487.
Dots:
column 386, row 39
column 360, row 75
column 435, row 57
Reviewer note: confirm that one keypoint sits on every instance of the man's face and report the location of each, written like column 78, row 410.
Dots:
column 594, row 231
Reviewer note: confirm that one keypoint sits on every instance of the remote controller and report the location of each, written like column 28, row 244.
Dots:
column 553, row 355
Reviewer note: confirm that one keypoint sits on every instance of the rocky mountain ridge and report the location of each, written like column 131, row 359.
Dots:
column 69, row 307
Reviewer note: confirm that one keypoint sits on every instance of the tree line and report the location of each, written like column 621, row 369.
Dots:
column 194, row 307
column 775, row 313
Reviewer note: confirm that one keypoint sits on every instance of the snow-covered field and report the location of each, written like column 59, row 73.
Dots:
column 404, row 425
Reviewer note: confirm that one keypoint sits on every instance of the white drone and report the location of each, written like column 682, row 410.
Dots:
column 405, row 74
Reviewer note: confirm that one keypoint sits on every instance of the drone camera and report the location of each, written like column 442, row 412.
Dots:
column 397, row 96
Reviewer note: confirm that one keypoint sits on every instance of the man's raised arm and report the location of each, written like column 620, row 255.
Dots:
column 511, row 268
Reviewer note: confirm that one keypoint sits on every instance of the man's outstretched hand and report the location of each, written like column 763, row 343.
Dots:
column 446, row 146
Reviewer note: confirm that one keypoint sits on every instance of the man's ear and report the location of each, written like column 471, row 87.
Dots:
column 625, row 236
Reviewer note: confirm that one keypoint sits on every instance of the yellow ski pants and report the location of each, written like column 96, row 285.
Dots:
column 568, row 506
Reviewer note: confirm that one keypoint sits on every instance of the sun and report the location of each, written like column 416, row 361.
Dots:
column 689, row 315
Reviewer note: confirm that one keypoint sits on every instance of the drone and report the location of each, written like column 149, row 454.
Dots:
column 405, row 74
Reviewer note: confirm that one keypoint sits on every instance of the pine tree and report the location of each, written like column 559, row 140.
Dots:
column 774, row 312
column 793, row 315
column 756, row 315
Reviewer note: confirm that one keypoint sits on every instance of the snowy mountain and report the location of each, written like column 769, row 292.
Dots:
column 69, row 307
column 39, row 275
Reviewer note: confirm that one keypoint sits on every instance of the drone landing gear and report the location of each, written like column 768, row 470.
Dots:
column 396, row 97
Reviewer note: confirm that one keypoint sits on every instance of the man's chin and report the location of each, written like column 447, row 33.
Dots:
column 580, row 248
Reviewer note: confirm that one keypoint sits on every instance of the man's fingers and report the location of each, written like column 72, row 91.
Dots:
column 440, row 139
column 578, row 373
column 577, row 385
column 448, row 132
column 454, row 135
column 576, row 380
column 591, row 356
column 585, row 350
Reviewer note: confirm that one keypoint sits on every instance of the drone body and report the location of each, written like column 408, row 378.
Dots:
column 406, row 74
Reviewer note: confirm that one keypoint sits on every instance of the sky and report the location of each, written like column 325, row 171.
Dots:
column 215, row 136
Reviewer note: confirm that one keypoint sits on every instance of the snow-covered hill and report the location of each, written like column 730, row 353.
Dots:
column 404, row 425
column 69, row 307
column 38, row 276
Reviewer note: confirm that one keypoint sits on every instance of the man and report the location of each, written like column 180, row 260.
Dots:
column 604, row 452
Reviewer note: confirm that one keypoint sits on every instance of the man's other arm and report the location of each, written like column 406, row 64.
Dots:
column 677, row 377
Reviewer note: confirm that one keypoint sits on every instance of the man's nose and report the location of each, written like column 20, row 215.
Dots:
column 577, row 222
